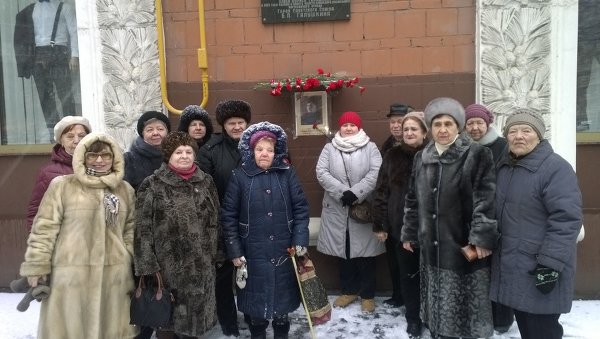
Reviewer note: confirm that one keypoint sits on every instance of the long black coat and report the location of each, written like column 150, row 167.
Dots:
column 141, row 161
column 218, row 157
column 390, row 191
column 176, row 233
column 264, row 213
column 450, row 203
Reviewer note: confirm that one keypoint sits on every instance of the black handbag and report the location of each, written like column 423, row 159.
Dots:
column 151, row 306
column 361, row 213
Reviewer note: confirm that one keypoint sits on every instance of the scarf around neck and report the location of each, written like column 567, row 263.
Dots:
column 351, row 143
column 184, row 174
column 443, row 148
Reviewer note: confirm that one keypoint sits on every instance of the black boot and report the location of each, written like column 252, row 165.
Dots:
column 281, row 327
column 258, row 328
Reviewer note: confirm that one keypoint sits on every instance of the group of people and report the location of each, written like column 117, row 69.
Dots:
column 167, row 206
column 199, row 206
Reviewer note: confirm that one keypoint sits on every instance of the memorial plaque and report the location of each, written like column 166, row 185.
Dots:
column 278, row 11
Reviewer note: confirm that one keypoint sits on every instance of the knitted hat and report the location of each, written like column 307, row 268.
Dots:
column 233, row 109
column 195, row 112
column 419, row 117
column 143, row 120
column 444, row 105
column 259, row 135
column 67, row 121
column 174, row 140
column 350, row 117
column 479, row 111
column 399, row 109
column 526, row 117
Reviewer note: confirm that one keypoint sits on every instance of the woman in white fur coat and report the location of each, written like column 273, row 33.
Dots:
column 81, row 245
column 347, row 170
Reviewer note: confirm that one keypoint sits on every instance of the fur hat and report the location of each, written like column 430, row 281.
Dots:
column 419, row 116
column 281, row 150
column 195, row 112
column 350, row 117
column 174, row 140
column 526, row 117
column 233, row 109
column 399, row 109
column 444, row 105
column 67, row 121
column 143, row 120
column 479, row 111
column 259, row 135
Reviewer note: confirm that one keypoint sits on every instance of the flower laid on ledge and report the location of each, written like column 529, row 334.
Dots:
column 324, row 130
column 331, row 83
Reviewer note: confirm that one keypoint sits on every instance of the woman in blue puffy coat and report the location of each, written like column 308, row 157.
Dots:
column 264, row 213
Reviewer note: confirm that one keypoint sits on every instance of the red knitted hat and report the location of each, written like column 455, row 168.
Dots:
column 479, row 111
column 350, row 117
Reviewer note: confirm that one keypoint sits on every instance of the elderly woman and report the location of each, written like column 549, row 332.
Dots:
column 450, row 204
column 81, row 244
column 68, row 132
column 196, row 122
column 347, row 170
column 539, row 211
column 264, row 213
column 144, row 156
column 176, row 234
column 388, row 207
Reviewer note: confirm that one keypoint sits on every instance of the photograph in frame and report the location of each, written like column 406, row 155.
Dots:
column 311, row 108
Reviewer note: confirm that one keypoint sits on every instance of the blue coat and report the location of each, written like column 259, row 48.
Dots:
column 539, row 215
column 264, row 213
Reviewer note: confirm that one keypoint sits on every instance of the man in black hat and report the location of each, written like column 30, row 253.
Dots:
column 218, row 157
column 396, row 116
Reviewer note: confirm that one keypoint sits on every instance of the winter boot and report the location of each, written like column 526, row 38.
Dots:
column 258, row 328
column 367, row 305
column 281, row 327
column 344, row 300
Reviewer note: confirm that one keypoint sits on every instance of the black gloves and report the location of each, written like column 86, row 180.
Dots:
column 348, row 198
column 545, row 278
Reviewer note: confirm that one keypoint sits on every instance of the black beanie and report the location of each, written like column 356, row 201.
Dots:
column 233, row 109
column 152, row 115
column 195, row 112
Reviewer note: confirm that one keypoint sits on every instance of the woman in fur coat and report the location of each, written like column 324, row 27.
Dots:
column 388, row 211
column 450, row 204
column 176, row 220
column 264, row 213
column 81, row 245
column 347, row 170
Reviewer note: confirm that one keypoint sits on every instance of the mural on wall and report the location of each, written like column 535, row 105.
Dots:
column 130, row 64
column 515, row 45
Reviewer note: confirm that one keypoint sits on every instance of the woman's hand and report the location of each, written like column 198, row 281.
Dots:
column 407, row 246
column 381, row 236
column 482, row 252
column 35, row 279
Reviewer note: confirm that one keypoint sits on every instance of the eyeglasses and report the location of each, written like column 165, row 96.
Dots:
column 91, row 156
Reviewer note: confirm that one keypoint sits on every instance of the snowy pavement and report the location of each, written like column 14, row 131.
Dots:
column 346, row 323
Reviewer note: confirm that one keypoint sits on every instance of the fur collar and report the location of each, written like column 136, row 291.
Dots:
column 489, row 137
column 456, row 150
column 111, row 180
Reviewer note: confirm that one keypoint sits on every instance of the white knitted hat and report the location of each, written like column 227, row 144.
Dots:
column 68, row 121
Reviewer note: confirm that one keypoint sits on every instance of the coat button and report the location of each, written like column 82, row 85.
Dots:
column 435, row 243
column 270, row 214
column 271, row 238
column 434, row 189
column 273, row 261
column 433, row 216
column 268, row 191
column 196, row 189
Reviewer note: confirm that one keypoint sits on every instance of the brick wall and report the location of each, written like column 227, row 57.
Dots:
column 383, row 38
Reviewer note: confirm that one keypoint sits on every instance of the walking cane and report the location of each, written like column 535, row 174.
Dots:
column 292, row 253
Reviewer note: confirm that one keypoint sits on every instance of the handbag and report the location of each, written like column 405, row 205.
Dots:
column 151, row 306
column 361, row 212
column 315, row 295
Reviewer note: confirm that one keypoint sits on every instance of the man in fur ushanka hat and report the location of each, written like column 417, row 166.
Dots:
column 218, row 157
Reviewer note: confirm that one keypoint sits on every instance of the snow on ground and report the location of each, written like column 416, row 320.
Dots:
column 582, row 322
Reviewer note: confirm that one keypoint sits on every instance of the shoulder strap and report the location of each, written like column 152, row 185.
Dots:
column 345, row 170
column 55, row 27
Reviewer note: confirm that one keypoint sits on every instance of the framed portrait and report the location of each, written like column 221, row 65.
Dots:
column 311, row 108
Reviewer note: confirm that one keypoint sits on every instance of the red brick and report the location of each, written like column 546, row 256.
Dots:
column 313, row 61
column 395, row 43
column 246, row 49
column 376, row 62
column 464, row 59
column 458, row 40
column 245, row 13
column 175, row 35
column 304, row 47
column 346, row 61
column 365, row 45
column 394, row 5
column 220, row 51
column 194, row 73
column 276, row 48
column 458, row 3
column 349, row 30
column 257, row 33
column 318, row 31
column 426, row 42
column 379, row 25
column 229, row 4
column 216, row 14
column 176, row 69
column 287, row 65
column 288, row 33
column 425, row 4
column 173, row 6
column 466, row 20
column 407, row 61
column 230, row 68
column 410, row 23
column 438, row 59
column 230, row 31
column 210, row 32
column 441, row 22
column 192, row 34
column 363, row 7
column 334, row 46
column 258, row 67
